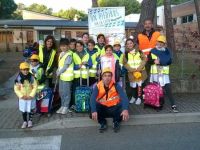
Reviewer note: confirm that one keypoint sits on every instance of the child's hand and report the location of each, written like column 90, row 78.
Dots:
column 157, row 62
column 23, row 97
column 29, row 97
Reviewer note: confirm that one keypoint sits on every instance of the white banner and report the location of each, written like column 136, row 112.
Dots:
column 109, row 21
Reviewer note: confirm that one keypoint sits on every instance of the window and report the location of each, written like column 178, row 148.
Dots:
column 174, row 21
column 68, row 34
column 188, row 18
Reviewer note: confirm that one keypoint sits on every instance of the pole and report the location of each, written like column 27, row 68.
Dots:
column 22, row 38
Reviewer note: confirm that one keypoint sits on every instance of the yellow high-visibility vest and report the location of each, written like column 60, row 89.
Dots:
column 101, row 52
column 134, row 60
column 119, row 58
column 93, row 70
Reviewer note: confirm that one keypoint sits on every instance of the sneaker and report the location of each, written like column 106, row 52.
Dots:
column 59, row 110
column 174, row 109
column 30, row 124
column 132, row 100
column 116, row 127
column 24, row 125
column 138, row 101
column 102, row 127
column 64, row 110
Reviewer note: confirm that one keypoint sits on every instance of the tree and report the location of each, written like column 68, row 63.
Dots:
column 40, row 9
column 148, row 8
column 197, row 12
column 94, row 3
column 7, row 7
column 169, row 27
column 131, row 6
column 71, row 13
column 18, row 13
column 173, row 2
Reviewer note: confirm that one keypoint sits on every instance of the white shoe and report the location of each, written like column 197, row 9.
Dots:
column 59, row 111
column 24, row 125
column 132, row 100
column 138, row 101
column 30, row 124
column 64, row 110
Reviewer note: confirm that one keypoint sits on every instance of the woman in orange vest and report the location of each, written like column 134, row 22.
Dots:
column 109, row 100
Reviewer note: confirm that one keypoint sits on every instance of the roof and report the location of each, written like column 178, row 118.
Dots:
column 53, row 23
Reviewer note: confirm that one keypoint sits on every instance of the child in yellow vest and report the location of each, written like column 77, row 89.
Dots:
column 66, row 75
column 134, row 61
column 25, row 88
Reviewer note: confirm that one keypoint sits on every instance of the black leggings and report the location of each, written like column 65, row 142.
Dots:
column 29, row 115
column 168, row 91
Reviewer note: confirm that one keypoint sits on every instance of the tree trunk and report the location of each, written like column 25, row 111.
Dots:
column 196, row 2
column 169, row 27
column 148, row 11
column 94, row 3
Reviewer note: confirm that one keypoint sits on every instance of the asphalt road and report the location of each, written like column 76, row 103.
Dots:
column 148, row 137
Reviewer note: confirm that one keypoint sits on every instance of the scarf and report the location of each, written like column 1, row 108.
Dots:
column 21, row 78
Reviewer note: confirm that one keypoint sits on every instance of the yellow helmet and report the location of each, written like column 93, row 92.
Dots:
column 106, row 70
column 34, row 56
column 137, row 75
column 24, row 65
column 161, row 38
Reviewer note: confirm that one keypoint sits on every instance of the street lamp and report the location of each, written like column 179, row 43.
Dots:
column 7, row 46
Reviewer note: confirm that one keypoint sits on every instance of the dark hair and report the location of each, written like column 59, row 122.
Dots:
column 80, row 42
column 91, row 42
column 148, row 19
column 85, row 33
column 53, row 39
column 64, row 41
column 101, row 35
column 72, row 41
column 129, row 39
column 108, row 46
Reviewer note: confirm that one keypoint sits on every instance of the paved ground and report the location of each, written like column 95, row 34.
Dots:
column 150, row 137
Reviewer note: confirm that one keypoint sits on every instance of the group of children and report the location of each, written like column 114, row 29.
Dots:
column 84, row 60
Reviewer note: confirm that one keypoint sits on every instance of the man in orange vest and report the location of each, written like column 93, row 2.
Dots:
column 147, row 40
column 109, row 100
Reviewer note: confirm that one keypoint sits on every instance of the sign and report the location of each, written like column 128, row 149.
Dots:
column 109, row 21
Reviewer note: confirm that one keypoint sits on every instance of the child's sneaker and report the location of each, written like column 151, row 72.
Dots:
column 132, row 100
column 138, row 101
column 59, row 111
column 64, row 110
column 174, row 109
column 24, row 125
column 30, row 124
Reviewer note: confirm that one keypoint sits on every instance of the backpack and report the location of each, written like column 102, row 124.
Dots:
column 153, row 93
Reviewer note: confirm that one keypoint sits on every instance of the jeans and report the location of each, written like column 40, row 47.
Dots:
column 105, row 112
column 65, row 92
column 168, row 91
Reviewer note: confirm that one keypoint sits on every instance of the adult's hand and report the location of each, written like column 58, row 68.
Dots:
column 94, row 116
column 125, row 115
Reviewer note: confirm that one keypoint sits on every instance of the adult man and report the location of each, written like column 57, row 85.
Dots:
column 109, row 100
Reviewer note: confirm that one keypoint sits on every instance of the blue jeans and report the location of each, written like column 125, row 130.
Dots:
column 65, row 92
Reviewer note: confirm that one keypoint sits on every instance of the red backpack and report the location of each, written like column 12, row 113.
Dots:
column 153, row 92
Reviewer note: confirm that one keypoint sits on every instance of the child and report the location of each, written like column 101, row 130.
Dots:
column 25, row 88
column 134, row 61
column 100, row 46
column 160, row 59
column 108, row 61
column 65, row 74
column 118, row 56
column 93, row 54
column 72, row 45
column 85, row 39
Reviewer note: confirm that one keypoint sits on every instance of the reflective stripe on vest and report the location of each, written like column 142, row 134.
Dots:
column 41, row 56
column 93, row 70
column 77, row 61
column 119, row 58
column 101, row 52
column 68, row 74
column 134, row 60
column 145, row 44
column 156, row 69
column 111, row 99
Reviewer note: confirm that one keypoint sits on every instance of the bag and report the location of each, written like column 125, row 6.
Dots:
column 44, row 100
column 82, row 96
column 153, row 93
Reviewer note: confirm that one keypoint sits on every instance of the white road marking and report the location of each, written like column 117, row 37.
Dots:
column 31, row 143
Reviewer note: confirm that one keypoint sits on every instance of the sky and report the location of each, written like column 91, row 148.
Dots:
column 61, row 4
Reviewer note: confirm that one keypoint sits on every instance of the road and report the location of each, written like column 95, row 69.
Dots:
column 151, row 137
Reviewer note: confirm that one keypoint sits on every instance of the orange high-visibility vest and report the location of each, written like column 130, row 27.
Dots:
column 145, row 45
column 113, row 97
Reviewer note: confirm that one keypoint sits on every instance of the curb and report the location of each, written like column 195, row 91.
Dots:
column 148, row 119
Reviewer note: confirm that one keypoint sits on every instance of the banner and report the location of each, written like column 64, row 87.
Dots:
column 109, row 21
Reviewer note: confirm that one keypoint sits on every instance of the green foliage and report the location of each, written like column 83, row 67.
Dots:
column 7, row 7
column 174, row 2
column 131, row 6
column 71, row 14
column 40, row 8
